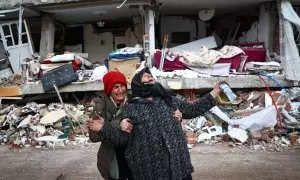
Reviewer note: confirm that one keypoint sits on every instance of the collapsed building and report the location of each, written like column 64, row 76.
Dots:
column 189, row 45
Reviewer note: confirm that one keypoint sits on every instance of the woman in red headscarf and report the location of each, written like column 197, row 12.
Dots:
column 110, row 106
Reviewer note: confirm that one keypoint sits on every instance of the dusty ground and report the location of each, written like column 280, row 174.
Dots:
column 210, row 162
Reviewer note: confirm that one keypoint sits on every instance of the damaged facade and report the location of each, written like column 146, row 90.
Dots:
column 188, row 45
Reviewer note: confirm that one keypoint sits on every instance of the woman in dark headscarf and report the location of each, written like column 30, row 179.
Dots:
column 157, row 148
column 143, row 85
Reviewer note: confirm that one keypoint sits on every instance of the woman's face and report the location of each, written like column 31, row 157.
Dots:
column 147, row 78
column 118, row 92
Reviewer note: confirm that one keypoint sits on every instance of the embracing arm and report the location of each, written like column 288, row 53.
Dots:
column 114, row 135
column 108, row 132
column 99, row 105
column 119, row 137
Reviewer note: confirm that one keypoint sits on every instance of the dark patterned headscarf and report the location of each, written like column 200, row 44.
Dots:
column 140, row 89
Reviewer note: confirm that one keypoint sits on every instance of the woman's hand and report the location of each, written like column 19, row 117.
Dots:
column 216, row 91
column 126, row 125
column 95, row 125
column 177, row 114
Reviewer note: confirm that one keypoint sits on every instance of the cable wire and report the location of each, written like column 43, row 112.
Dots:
column 277, row 82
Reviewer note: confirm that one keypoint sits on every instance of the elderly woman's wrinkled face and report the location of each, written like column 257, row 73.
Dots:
column 147, row 79
column 118, row 92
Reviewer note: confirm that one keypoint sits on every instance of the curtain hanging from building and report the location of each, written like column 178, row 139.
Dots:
column 291, row 60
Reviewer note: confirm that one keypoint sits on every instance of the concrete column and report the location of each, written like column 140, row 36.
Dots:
column 267, row 23
column 47, row 36
column 149, row 30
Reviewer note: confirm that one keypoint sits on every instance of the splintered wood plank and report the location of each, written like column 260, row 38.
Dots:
column 10, row 91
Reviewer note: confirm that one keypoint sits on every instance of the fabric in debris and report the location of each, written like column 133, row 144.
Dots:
column 62, row 57
column 205, row 57
column 171, row 61
column 291, row 59
column 98, row 73
column 256, row 121
column 125, row 53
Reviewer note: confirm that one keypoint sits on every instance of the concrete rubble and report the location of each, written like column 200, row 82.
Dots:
column 14, row 80
column 251, row 123
column 41, row 125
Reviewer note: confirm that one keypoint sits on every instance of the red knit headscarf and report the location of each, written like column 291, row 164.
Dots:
column 112, row 78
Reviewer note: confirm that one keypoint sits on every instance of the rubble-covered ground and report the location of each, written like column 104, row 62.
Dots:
column 218, row 161
column 254, row 137
column 251, row 121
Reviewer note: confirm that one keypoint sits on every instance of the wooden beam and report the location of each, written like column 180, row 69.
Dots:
column 10, row 91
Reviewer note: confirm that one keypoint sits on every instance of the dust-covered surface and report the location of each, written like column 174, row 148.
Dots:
column 218, row 161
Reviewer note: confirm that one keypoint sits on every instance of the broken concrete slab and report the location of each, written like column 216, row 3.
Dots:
column 193, row 46
column 203, row 136
column 53, row 117
column 214, row 130
column 255, row 134
column 294, row 137
column 25, row 122
column 239, row 134
column 7, row 109
column 38, row 128
column 263, row 66
column 285, row 141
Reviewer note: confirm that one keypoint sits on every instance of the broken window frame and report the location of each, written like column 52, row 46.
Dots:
column 5, row 37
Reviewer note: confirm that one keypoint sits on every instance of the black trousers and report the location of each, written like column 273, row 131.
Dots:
column 124, row 171
column 189, row 177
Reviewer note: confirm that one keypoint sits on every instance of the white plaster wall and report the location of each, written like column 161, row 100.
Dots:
column 98, row 46
column 264, row 26
column 171, row 24
column 260, row 30
column 251, row 35
column 92, row 44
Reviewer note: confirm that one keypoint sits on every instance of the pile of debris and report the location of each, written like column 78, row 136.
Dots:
column 257, row 119
column 14, row 80
column 251, row 120
column 40, row 125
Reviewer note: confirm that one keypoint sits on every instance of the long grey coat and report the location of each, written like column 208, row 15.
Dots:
column 156, row 132
column 105, row 107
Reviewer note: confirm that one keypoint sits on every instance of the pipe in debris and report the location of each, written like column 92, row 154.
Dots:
column 273, row 101
column 277, row 82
